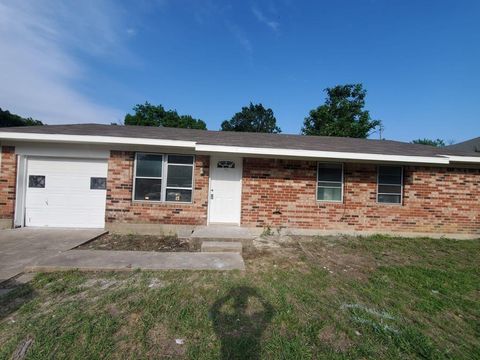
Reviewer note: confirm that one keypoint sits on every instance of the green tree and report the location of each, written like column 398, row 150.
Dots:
column 342, row 114
column 8, row 119
column 151, row 115
column 252, row 118
column 425, row 141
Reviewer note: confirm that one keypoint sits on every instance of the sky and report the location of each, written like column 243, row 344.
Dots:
column 86, row 61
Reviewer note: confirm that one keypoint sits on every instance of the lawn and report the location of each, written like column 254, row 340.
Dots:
column 325, row 297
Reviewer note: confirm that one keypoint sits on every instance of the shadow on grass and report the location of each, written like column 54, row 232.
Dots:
column 18, row 295
column 239, row 319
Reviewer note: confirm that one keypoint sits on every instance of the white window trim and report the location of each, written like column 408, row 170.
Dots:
column 164, row 178
column 166, row 187
column 401, row 187
column 335, row 182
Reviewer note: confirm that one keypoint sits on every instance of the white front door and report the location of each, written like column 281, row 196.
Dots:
column 65, row 192
column 225, row 197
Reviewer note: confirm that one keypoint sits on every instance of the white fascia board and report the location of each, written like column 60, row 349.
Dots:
column 321, row 154
column 93, row 139
column 464, row 159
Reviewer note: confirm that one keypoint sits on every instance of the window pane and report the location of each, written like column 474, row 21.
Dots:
column 179, row 176
column 389, row 189
column 149, row 165
column 226, row 164
column 392, row 199
column 329, row 194
column 179, row 195
column 36, row 181
column 98, row 183
column 330, row 172
column 180, row 159
column 390, row 175
column 330, row 184
column 148, row 189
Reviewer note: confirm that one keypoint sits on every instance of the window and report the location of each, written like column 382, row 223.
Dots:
column 98, row 183
column 226, row 164
column 390, row 184
column 148, row 177
column 163, row 177
column 330, row 182
column 36, row 181
column 179, row 178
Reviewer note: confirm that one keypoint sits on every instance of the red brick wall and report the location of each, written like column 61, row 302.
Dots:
column 8, row 170
column 442, row 200
column 121, row 208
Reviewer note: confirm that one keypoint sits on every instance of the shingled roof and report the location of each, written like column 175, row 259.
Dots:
column 471, row 147
column 251, row 140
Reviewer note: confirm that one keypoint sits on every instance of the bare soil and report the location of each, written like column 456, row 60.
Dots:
column 139, row 243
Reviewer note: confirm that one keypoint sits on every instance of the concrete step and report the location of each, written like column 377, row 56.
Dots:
column 221, row 246
column 222, row 233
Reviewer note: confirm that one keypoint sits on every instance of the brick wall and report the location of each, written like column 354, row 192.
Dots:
column 120, row 208
column 8, row 170
column 282, row 193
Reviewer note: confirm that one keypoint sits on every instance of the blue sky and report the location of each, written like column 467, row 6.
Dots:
column 91, row 61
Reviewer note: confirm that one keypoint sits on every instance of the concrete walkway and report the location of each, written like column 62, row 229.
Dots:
column 222, row 233
column 97, row 260
column 27, row 246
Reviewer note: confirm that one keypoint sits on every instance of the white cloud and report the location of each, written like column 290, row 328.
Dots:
column 39, row 63
column 264, row 20
column 239, row 34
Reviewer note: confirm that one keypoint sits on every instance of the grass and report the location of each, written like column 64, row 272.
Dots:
column 332, row 297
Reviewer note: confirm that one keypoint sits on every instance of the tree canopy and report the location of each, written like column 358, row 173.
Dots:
column 155, row 115
column 425, row 141
column 8, row 119
column 342, row 114
column 252, row 118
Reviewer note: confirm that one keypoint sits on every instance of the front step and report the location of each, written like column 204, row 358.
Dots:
column 221, row 246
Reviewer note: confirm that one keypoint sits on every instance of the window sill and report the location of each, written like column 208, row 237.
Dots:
column 388, row 204
column 330, row 201
column 161, row 202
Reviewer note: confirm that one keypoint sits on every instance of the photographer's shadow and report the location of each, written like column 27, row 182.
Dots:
column 239, row 320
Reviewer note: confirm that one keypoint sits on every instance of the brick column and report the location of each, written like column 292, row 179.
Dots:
column 8, row 171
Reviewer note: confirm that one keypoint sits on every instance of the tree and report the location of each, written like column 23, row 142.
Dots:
column 8, row 119
column 342, row 114
column 425, row 141
column 151, row 115
column 252, row 118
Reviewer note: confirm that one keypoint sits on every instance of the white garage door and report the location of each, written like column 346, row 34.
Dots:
column 65, row 192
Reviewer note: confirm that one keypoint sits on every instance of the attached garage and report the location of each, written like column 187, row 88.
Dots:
column 65, row 192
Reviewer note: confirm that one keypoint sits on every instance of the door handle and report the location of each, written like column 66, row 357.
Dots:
column 211, row 194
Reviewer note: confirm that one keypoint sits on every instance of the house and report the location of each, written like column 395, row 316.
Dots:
column 131, row 177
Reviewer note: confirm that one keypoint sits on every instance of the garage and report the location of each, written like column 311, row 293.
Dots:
column 64, row 192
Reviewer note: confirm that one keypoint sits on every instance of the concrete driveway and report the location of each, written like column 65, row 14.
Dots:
column 27, row 246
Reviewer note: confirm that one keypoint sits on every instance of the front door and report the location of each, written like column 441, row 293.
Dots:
column 225, row 197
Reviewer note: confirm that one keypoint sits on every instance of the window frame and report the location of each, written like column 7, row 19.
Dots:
column 163, row 178
column 401, row 186
column 166, row 187
column 341, row 187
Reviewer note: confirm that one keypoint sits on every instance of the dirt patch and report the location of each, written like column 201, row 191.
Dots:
column 332, row 254
column 162, row 345
column 139, row 243
column 337, row 340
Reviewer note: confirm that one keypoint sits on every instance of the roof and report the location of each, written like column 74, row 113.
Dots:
column 472, row 147
column 205, row 138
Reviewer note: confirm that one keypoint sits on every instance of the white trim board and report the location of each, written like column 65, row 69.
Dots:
column 314, row 154
column 93, row 139
column 464, row 159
